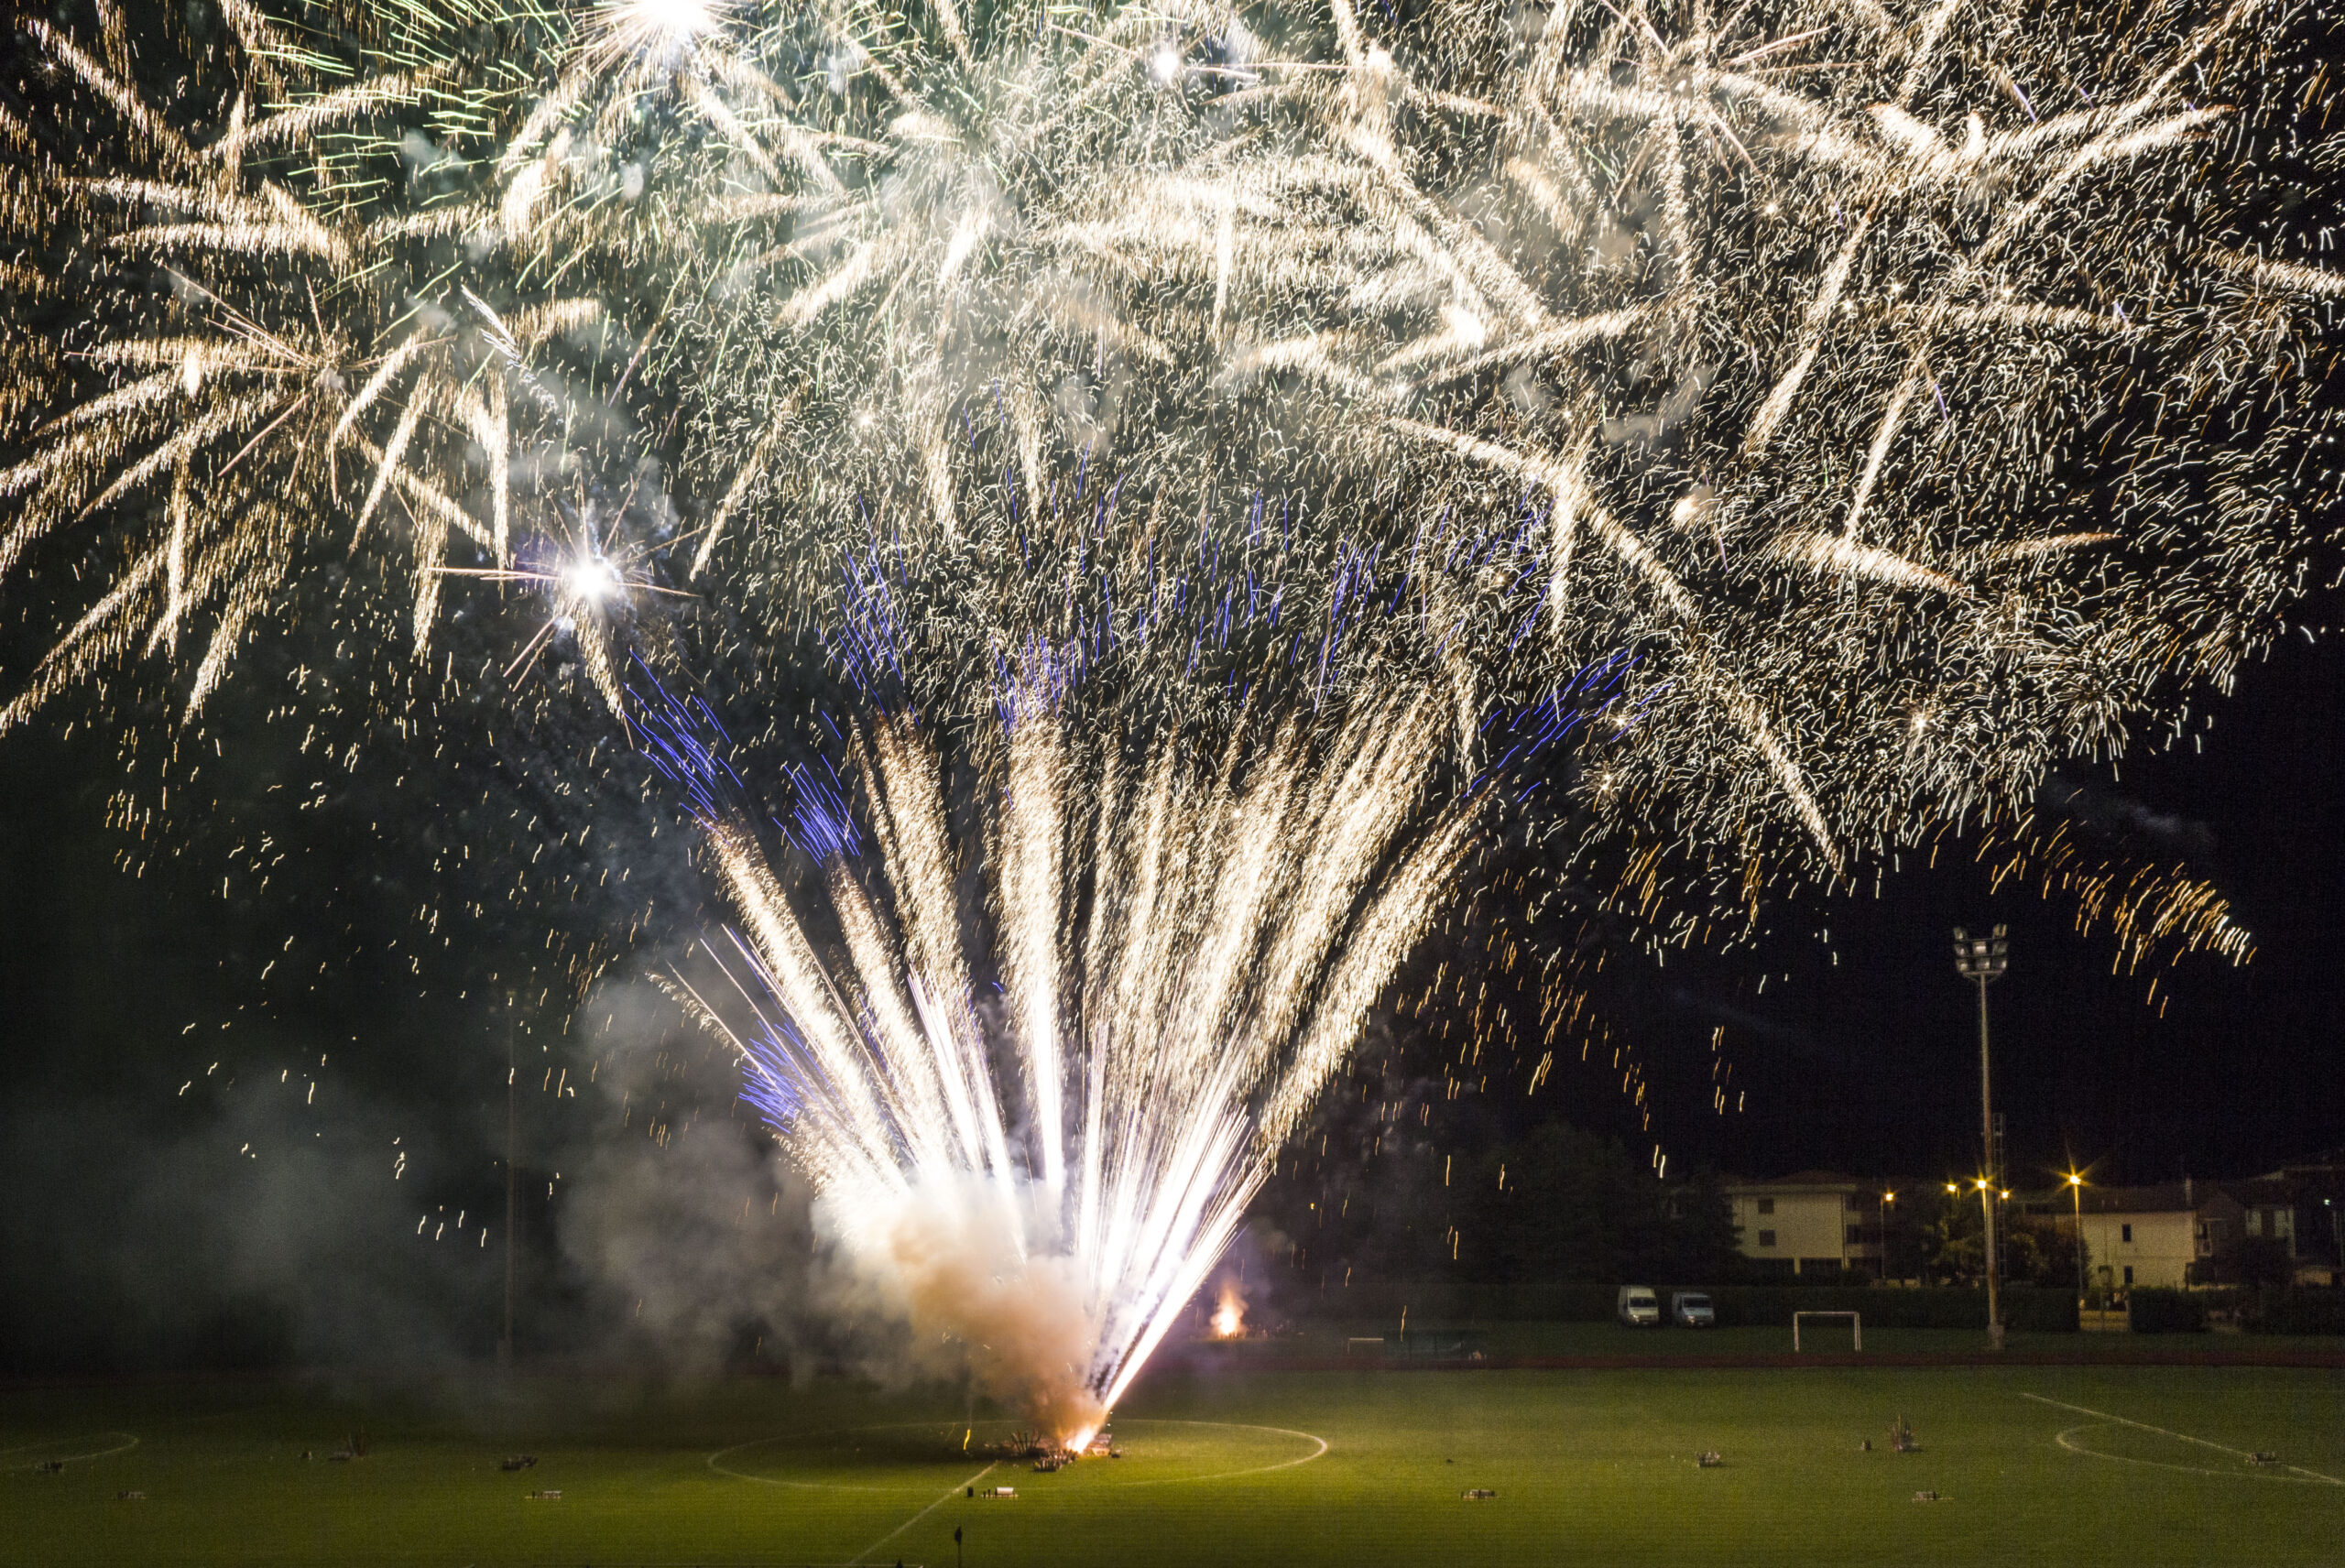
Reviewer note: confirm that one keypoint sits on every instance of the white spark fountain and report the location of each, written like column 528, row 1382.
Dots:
column 1188, row 946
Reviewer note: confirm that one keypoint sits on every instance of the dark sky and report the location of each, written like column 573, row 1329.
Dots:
column 1866, row 1060
column 132, row 1203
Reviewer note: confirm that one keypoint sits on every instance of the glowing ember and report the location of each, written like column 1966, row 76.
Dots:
column 1229, row 1314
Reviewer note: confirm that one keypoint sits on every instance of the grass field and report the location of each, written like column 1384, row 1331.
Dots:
column 2069, row 1465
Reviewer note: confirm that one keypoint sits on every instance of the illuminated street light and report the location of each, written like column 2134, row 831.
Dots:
column 2077, row 1195
column 1981, row 960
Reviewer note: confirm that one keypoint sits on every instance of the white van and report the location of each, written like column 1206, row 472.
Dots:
column 1691, row 1309
column 1640, row 1307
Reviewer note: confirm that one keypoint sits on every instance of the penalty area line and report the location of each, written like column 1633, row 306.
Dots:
column 921, row 1515
column 2179, row 1436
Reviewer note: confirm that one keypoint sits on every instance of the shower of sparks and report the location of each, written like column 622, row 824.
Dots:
column 1191, row 920
column 1188, row 952
column 1837, row 357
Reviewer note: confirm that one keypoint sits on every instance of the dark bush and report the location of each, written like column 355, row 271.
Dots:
column 1772, row 1306
column 2026, row 1309
column 2167, row 1311
column 2295, row 1311
column 1449, row 1302
column 2040, row 1309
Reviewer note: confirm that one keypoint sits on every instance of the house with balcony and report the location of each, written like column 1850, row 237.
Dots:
column 1810, row 1222
column 2268, row 1209
column 2300, row 1207
column 2152, row 1236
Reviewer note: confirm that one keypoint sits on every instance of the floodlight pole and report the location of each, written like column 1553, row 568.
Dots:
column 512, row 1201
column 1981, row 960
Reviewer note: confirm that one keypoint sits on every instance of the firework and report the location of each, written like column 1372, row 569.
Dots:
column 1190, row 912
column 1822, row 355
column 1188, row 947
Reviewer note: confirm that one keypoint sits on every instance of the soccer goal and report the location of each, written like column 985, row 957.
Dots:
column 1856, row 1322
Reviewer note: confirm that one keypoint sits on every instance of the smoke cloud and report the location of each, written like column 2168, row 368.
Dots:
column 700, row 1244
column 946, row 1261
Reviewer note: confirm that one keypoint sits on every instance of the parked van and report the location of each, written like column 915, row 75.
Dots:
column 1640, row 1307
column 1691, row 1309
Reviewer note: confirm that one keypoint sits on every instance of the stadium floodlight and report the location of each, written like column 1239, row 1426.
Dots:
column 1981, row 960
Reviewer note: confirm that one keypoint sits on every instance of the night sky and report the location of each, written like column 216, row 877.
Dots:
column 2231, row 1070
column 142, row 1210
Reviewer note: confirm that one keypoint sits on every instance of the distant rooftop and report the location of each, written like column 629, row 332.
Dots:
column 2162, row 1198
column 1804, row 1179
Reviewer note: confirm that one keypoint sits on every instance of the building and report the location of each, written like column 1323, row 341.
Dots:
column 2269, row 1209
column 2152, row 1236
column 2302, row 1203
column 1809, row 1222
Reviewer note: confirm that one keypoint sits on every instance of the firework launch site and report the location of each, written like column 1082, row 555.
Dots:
column 2077, row 1466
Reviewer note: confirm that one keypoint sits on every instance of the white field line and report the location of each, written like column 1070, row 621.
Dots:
column 1319, row 1447
column 931, row 1507
column 2179, row 1436
column 814, row 1486
column 1227, row 1474
column 131, row 1442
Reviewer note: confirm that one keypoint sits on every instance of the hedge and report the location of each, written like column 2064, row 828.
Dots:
column 2167, row 1311
column 2282, row 1311
column 1445, row 1302
column 2026, row 1309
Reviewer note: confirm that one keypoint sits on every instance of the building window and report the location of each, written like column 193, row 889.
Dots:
column 1855, row 1235
column 1766, row 1238
column 1766, row 1205
column 1848, row 1202
column 2129, row 1273
column 2126, row 1232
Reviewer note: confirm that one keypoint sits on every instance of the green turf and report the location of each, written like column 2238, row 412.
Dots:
column 1589, row 1468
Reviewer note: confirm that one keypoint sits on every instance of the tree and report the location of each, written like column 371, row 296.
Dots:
column 1953, row 1247
column 2252, row 1261
column 1574, row 1205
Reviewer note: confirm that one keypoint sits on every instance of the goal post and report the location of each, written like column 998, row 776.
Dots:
column 1856, row 1322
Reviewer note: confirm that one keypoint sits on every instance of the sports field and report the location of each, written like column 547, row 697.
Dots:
column 2069, row 1465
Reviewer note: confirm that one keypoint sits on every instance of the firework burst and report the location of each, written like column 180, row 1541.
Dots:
column 1820, row 356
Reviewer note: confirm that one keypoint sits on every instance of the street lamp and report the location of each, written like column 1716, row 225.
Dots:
column 1981, row 960
column 2077, row 1196
column 1886, row 1199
